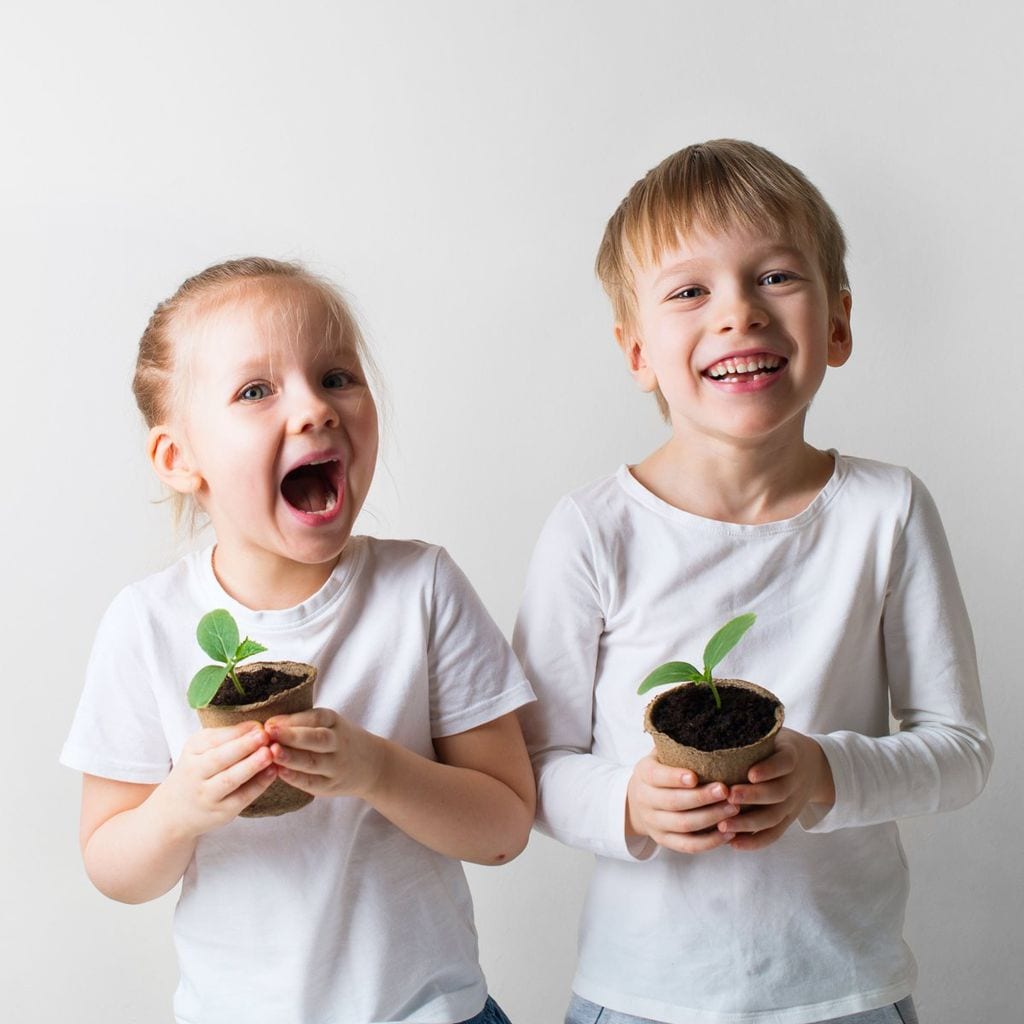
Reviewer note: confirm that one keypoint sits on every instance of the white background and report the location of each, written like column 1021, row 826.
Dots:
column 453, row 164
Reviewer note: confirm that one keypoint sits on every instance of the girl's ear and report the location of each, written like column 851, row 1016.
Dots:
column 840, row 339
column 636, row 357
column 171, row 461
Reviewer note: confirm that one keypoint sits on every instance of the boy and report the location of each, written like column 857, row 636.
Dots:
column 725, row 268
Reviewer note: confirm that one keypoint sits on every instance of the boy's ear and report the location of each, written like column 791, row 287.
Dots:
column 171, row 461
column 636, row 357
column 840, row 338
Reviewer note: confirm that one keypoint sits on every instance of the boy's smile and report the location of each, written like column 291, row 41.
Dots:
column 736, row 329
column 277, row 438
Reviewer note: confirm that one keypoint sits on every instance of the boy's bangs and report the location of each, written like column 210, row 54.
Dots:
column 683, row 205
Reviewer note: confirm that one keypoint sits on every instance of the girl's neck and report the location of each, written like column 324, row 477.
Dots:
column 267, row 583
column 734, row 483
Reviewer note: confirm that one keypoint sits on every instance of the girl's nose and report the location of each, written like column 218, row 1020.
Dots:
column 311, row 411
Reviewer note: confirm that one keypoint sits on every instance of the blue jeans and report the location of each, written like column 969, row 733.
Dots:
column 492, row 1013
column 582, row 1011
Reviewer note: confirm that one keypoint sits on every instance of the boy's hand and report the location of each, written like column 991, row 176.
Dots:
column 220, row 772
column 668, row 805
column 321, row 753
column 779, row 788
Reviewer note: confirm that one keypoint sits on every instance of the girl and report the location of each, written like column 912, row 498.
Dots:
column 354, row 909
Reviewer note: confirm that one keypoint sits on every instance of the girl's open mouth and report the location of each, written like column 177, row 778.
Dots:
column 314, row 489
column 745, row 369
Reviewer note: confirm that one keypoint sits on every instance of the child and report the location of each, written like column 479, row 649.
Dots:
column 355, row 908
column 725, row 270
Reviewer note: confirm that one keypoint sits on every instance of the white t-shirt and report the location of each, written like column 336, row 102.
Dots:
column 331, row 913
column 858, row 605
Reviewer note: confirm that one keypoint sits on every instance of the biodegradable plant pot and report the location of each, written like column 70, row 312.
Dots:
column 688, row 711
column 279, row 688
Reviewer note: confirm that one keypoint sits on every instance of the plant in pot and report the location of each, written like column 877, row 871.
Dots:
column 717, row 728
column 228, row 694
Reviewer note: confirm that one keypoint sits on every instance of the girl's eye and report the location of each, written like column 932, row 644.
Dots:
column 338, row 379
column 778, row 277
column 692, row 292
column 254, row 392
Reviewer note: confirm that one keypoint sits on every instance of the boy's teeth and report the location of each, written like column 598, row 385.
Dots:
column 731, row 367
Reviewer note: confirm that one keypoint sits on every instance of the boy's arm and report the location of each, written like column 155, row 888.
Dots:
column 941, row 756
column 581, row 798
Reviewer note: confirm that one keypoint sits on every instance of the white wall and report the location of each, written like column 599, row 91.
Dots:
column 453, row 165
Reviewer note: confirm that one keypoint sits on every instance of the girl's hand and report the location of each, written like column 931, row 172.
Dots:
column 220, row 772
column 667, row 805
column 321, row 753
column 779, row 788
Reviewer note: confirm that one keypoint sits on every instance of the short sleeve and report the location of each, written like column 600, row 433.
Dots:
column 117, row 731
column 474, row 676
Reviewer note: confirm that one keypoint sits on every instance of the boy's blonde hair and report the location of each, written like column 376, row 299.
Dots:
column 714, row 186
column 161, row 367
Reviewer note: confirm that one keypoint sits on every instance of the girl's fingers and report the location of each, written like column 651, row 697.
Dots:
column 218, row 758
column 318, row 739
column 314, row 784
column 746, row 841
column 756, row 820
column 210, row 739
column 297, row 760
column 654, row 773
column 226, row 782
column 256, row 786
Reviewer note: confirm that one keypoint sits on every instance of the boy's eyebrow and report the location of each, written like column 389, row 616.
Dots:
column 773, row 249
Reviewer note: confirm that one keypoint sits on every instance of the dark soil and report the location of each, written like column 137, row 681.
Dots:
column 688, row 714
column 258, row 683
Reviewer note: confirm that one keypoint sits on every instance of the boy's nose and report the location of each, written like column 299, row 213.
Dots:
column 741, row 312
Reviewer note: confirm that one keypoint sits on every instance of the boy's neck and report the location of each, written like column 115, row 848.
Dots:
column 736, row 484
column 268, row 584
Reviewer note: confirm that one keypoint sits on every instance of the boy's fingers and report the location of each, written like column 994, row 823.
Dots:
column 693, row 821
column 765, row 793
column 699, row 842
column 782, row 762
column 655, row 773
column 687, row 799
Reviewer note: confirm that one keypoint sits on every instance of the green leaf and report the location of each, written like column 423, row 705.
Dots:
column 218, row 635
column 205, row 684
column 672, row 672
column 247, row 648
column 725, row 640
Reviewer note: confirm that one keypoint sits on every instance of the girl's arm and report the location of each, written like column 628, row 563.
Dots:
column 474, row 803
column 137, row 840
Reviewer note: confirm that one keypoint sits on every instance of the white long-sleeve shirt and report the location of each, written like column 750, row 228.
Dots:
column 859, row 613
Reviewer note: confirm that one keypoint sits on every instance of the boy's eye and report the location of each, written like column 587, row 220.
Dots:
column 778, row 277
column 693, row 291
column 254, row 392
column 338, row 379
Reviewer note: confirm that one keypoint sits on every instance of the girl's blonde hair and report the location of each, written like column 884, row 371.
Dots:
column 714, row 186
column 161, row 366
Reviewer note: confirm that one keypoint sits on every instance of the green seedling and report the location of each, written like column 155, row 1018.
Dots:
column 217, row 634
column 718, row 647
